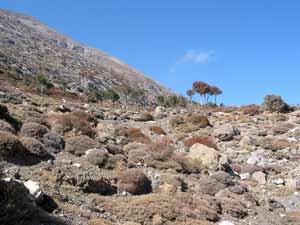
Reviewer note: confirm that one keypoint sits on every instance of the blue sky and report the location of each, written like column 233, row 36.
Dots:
column 247, row 48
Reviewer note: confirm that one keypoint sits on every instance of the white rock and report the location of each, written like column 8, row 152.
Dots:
column 95, row 150
column 77, row 165
column 34, row 190
column 255, row 159
column 245, row 176
column 260, row 177
column 278, row 181
column 226, row 223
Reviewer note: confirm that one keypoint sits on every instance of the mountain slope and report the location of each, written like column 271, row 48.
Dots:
column 31, row 47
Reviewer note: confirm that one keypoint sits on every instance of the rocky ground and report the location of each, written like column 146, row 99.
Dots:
column 66, row 162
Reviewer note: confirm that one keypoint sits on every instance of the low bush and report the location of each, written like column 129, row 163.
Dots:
column 95, row 95
column 250, row 110
column 171, row 101
column 134, row 134
column 78, row 121
column 157, row 130
column 144, row 117
column 34, row 147
column 199, row 120
column 160, row 151
column 80, row 144
column 9, row 144
column 33, row 130
column 204, row 139
column 135, row 182
column 188, row 165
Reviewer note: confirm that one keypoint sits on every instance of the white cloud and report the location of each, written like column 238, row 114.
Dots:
column 195, row 57
column 198, row 57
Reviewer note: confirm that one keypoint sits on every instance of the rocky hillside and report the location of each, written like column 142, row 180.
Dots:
column 66, row 162
column 30, row 48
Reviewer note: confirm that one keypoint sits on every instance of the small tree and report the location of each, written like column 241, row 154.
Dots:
column 190, row 93
column 202, row 89
column 215, row 91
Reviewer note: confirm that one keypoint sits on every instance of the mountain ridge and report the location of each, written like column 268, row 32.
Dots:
column 32, row 47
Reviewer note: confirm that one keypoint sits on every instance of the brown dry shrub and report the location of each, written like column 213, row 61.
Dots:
column 204, row 139
column 34, row 146
column 199, row 120
column 157, row 130
column 40, row 120
column 160, row 151
column 4, row 126
column 188, row 165
column 9, row 144
column 167, row 209
column 60, row 93
column 80, row 144
column 174, row 121
column 33, row 130
column 134, row 134
column 187, row 128
column 250, row 110
column 144, row 117
column 78, row 121
column 135, row 182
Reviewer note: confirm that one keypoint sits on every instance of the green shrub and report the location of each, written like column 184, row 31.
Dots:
column 171, row 101
column 42, row 83
column 95, row 95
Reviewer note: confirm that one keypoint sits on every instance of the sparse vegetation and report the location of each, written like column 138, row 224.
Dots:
column 95, row 95
column 171, row 101
column 77, row 121
column 42, row 83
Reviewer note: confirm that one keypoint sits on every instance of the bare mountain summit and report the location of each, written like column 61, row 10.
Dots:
column 30, row 47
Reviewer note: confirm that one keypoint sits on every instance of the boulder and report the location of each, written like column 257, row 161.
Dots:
column 214, row 183
column 17, row 206
column 209, row 157
column 34, row 190
column 226, row 132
